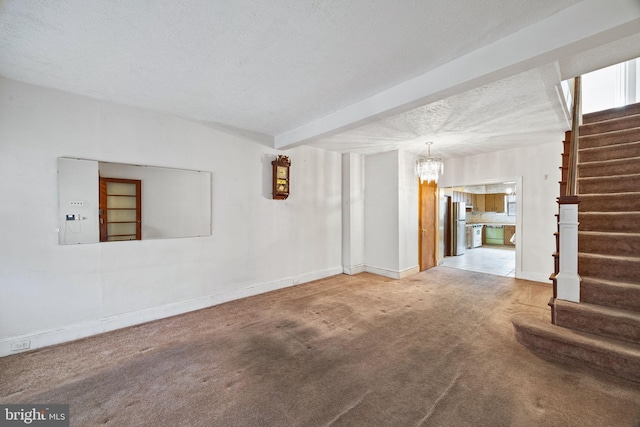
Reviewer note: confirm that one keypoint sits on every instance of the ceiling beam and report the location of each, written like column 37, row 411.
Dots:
column 586, row 25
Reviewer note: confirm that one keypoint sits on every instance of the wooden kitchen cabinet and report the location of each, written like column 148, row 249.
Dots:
column 509, row 231
column 494, row 202
column 478, row 202
column 499, row 202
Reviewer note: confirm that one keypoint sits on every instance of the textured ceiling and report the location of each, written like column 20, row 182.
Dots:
column 270, row 67
column 517, row 111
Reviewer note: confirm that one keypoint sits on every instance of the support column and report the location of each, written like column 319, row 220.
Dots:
column 352, row 213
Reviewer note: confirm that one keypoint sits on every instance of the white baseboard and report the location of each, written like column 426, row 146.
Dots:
column 409, row 271
column 88, row 328
column 316, row 275
column 534, row 277
column 353, row 269
column 392, row 274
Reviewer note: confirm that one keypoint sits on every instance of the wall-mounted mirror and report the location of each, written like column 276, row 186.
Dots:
column 102, row 201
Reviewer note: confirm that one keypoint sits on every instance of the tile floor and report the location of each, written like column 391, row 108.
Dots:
column 498, row 260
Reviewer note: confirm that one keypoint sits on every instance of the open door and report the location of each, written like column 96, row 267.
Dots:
column 427, row 203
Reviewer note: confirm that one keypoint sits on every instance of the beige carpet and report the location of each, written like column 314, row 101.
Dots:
column 435, row 349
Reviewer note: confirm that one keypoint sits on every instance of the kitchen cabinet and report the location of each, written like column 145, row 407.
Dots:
column 494, row 202
column 509, row 231
column 481, row 202
column 478, row 202
column 459, row 196
column 468, row 199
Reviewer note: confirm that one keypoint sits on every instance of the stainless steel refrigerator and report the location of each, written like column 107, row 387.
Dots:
column 458, row 228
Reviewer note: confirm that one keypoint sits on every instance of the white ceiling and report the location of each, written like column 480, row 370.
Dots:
column 333, row 74
column 521, row 110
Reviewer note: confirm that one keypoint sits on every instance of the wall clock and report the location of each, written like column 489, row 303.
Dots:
column 281, row 177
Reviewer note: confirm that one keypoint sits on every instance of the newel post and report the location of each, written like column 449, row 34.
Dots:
column 568, row 280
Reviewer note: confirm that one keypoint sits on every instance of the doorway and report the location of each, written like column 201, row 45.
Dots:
column 493, row 224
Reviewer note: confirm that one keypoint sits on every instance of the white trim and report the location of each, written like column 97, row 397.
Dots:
column 79, row 330
column 534, row 277
column 353, row 269
column 392, row 274
column 409, row 271
column 316, row 275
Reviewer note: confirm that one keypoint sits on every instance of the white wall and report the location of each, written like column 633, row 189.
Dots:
column 408, row 213
column 538, row 168
column 391, row 214
column 381, row 215
column 52, row 293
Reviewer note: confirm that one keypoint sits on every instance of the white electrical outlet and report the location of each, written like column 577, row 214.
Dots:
column 20, row 345
column 76, row 203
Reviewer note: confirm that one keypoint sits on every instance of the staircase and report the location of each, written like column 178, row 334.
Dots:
column 603, row 330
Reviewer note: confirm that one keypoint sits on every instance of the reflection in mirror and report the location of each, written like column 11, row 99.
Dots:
column 101, row 201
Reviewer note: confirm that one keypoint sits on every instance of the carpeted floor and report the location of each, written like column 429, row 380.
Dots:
column 434, row 349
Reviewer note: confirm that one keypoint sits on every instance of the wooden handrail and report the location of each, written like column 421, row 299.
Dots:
column 572, row 173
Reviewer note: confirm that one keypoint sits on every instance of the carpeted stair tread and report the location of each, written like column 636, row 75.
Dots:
column 609, row 184
column 603, row 330
column 615, row 357
column 611, row 202
column 613, row 151
column 603, row 168
column 607, row 243
column 612, row 322
column 610, row 293
column 612, row 257
column 627, row 136
column 611, row 113
column 626, row 222
column 611, row 125
column 609, row 267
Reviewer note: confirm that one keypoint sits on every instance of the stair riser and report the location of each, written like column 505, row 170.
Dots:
column 610, row 222
column 627, row 298
column 612, row 113
column 617, row 184
column 603, row 169
column 627, row 122
column 615, row 152
column 609, row 139
column 605, row 244
column 617, row 327
column 610, row 203
column 623, row 270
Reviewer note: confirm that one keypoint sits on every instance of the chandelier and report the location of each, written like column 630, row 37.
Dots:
column 429, row 169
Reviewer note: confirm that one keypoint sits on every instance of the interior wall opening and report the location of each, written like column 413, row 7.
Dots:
column 481, row 227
